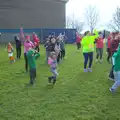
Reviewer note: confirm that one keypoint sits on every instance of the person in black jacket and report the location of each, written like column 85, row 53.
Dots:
column 18, row 46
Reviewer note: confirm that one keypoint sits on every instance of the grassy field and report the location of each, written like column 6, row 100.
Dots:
column 76, row 95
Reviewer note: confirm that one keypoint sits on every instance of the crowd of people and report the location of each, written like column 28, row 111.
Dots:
column 55, row 52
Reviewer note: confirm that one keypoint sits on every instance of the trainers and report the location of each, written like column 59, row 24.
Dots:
column 89, row 69
column 49, row 79
column 100, row 61
column 96, row 61
column 112, row 90
column 110, row 78
column 85, row 70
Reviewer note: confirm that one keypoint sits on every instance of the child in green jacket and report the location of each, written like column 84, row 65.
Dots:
column 116, row 63
column 32, row 55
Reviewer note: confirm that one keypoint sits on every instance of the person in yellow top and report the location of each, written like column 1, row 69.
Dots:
column 10, row 53
column 87, row 43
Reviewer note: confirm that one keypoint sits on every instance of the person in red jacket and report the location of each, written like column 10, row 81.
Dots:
column 99, row 47
column 110, row 37
column 78, row 40
column 36, row 42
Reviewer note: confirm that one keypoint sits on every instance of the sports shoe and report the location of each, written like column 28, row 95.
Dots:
column 112, row 90
column 85, row 70
column 96, row 61
column 89, row 69
column 110, row 78
column 100, row 61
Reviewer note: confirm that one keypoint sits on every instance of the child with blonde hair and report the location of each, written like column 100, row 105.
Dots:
column 52, row 61
column 10, row 52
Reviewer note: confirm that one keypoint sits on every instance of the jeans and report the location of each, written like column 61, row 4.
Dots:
column 88, row 56
column 26, row 61
column 32, row 75
column 54, row 72
column 117, row 80
column 99, row 52
column 18, row 50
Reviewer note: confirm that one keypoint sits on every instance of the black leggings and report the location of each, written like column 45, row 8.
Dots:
column 78, row 46
column 62, row 54
column 18, row 50
column 58, row 58
column 109, row 54
column 26, row 62
column 37, row 48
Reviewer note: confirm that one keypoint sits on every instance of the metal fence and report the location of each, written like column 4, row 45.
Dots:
column 7, row 35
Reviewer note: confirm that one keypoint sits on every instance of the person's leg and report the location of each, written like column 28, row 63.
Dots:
column 26, row 62
column 34, row 75
column 78, row 46
column 20, row 52
column 109, row 55
column 58, row 58
column 85, row 60
column 97, row 54
column 101, row 54
column 111, row 74
column 55, row 74
column 90, row 55
column 17, row 52
column 31, row 77
column 117, row 82
column 63, row 53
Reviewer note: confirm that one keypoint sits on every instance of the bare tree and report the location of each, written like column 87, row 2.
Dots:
column 91, row 17
column 73, row 23
column 115, row 22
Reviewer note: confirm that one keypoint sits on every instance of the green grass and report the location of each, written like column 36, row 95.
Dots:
column 76, row 95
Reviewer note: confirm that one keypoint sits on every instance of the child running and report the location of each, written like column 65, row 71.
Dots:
column 10, row 53
column 52, row 61
column 27, row 45
column 116, row 64
column 32, row 55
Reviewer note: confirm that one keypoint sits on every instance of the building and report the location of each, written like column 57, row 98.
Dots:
column 32, row 14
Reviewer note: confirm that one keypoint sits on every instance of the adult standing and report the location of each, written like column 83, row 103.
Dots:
column 18, row 47
column 88, row 49
column 27, row 45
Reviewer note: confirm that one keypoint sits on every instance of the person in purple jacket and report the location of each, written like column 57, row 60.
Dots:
column 27, row 45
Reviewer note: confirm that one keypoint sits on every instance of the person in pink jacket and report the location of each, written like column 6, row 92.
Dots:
column 78, row 40
column 99, row 48
column 27, row 45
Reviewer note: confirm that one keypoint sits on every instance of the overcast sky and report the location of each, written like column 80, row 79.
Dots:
column 105, row 7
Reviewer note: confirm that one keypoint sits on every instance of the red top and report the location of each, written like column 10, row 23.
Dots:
column 78, row 39
column 100, row 43
column 109, row 42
